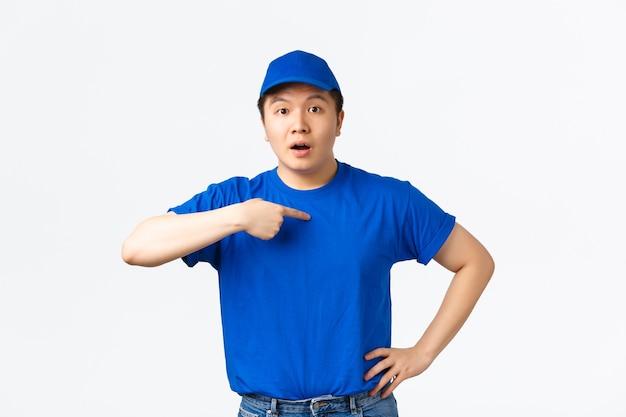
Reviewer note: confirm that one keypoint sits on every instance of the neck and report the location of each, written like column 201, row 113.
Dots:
column 308, row 180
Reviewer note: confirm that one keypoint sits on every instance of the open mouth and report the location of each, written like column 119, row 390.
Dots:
column 300, row 147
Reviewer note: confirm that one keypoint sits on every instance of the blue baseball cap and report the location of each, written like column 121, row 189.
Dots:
column 299, row 67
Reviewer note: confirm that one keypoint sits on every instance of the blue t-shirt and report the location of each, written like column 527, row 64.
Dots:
column 299, row 311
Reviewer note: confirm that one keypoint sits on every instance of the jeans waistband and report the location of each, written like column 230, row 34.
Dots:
column 317, row 405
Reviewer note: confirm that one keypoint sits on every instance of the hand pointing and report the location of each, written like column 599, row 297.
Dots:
column 263, row 219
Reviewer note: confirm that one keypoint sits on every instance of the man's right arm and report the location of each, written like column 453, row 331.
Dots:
column 161, row 239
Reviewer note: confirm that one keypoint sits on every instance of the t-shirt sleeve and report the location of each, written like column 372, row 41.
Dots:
column 426, row 226
column 215, row 196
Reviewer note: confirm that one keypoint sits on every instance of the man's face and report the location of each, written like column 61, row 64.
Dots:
column 301, row 124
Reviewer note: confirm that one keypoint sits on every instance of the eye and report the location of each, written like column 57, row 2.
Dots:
column 314, row 109
column 281, row 111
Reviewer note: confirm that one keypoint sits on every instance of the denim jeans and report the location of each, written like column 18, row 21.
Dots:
column 360, row 405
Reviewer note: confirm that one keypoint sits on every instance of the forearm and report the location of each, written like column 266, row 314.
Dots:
column 399, row 364
column 163, row 238
column 463, row 293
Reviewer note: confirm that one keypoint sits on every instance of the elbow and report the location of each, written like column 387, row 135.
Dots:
column 136, row 255
column 482, row 266
column 489, row 265
column 129, row 254
column 133, row 255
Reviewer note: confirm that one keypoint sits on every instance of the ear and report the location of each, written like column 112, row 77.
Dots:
column 263, row 123
column 339, row 122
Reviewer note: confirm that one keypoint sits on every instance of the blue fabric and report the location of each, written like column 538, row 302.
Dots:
column 299, row 311
column 299, row 67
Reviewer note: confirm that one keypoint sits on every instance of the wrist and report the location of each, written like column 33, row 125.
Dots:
column 428, row 353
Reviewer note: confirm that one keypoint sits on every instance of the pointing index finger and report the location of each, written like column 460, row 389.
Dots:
column 296, row 214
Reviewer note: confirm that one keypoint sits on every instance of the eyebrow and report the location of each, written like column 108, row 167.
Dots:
column 278, row 98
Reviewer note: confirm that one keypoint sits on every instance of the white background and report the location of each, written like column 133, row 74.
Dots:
column 510, row 115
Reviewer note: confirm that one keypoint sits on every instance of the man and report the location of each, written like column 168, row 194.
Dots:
column 304, row 253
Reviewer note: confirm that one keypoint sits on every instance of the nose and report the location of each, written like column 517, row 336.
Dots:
column 299, row 123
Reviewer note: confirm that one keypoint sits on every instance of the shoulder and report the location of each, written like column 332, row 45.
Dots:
column 241, row 184
column 361, row 177
column 223, row 193
column 230, row 186
column 391, row 189
column 216, row 195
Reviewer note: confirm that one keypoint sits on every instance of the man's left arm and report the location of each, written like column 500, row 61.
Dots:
column 473, row 267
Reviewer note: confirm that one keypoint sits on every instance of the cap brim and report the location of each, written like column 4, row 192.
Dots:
column 309, row 81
